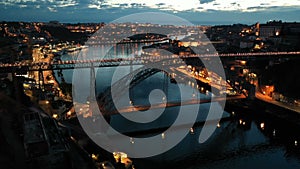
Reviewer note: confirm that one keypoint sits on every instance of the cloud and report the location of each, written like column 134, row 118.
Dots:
column 198, row 5
column 52, row 9
column 174, row 5
column 53, row 4
column 22, row 6
column 107, row 10
column 206, row 1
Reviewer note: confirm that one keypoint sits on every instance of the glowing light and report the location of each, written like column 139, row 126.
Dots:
column 94, row 157
column 218, row 125
column 164, row 99
column 296, row 143
column 73, row 138
column 262, row 125
column 192, row 130
column 131, row 140
column 55, row 116
column 69, row 113
column 163, row 135
column 122, row 158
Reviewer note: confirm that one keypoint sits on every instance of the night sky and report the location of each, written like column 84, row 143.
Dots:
column 198, row 12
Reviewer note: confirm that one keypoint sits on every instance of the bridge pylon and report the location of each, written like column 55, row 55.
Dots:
column 41, row 79
column 92, row 98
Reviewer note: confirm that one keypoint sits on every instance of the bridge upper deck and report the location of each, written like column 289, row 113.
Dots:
column 87, row 63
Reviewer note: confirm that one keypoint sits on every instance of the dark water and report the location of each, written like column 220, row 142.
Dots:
column 235, row 145
column 249, row 139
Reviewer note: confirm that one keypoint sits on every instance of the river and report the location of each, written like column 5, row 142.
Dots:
column 248, row 139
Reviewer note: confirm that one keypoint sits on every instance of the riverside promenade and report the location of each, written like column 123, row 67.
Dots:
column 284, row 111
column 268, row 99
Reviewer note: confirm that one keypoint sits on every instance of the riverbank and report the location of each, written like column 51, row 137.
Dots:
column 278, row 111
column 260, row 108
column 268, row 99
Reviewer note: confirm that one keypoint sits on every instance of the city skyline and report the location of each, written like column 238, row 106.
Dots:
column 149, row 85
column 205, row 12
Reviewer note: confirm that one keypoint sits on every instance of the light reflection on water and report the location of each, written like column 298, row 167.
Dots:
column 232, row 146
column 246, row 141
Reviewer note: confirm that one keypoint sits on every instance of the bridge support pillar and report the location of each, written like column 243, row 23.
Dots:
column 92, row 98
column 41, row 79
column 251, row 92
column 93, row 80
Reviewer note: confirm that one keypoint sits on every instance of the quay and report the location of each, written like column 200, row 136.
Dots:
column 269, row 100
column 284, row 111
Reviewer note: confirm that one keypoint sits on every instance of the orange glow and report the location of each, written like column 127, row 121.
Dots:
column 268, row 89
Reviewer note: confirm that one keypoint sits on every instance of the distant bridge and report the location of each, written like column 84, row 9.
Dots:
column 108, row 99
column 113, row 62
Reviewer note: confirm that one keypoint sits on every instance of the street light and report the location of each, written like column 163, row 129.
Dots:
column 192, row 130
column 262, row 125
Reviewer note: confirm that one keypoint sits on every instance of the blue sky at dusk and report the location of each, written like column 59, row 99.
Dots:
column 196, row 11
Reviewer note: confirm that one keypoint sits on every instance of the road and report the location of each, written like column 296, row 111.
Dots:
column 48, row 78
column 268, row 99
column 220, row 85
